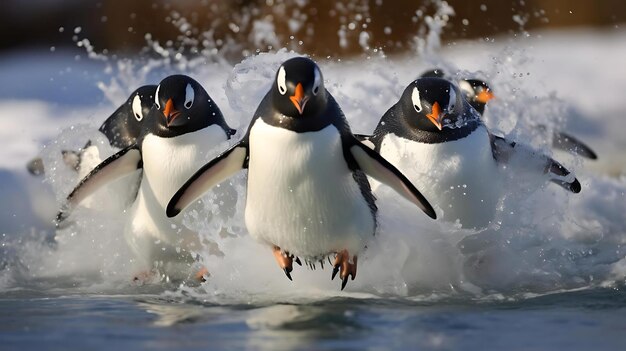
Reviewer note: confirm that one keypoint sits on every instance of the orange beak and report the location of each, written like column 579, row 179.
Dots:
column 299, row 99
column 435, row 116
column 170, row 112
column 484, row 96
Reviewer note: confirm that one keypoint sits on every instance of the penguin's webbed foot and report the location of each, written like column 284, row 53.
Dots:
column 285, row 260
column 202, row 274
column 346, row 265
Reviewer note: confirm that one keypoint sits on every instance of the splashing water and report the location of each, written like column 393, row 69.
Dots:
column 541, row 240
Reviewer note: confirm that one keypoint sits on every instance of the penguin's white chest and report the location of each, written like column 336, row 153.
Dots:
column 301, row 194
column 167, row 164
column 460, row 177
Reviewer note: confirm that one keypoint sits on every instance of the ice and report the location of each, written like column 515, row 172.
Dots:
column 542, row 239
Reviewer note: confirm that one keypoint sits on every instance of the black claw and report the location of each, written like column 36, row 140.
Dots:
column 322, row 263
column 298, row 261
column 344, row 282
column 335, row 271
column 287, row 273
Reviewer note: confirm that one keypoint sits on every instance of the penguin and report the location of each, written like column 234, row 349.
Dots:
column 307, row 191
column 182, row 128
column 460, row 160
column 478, row 93
column 121, row 130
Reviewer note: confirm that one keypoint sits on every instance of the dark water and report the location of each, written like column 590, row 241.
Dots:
column 593, row 319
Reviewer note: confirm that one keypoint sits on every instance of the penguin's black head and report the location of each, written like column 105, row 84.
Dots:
column 140, row 102
column 298, row 89
column 432, row 104
column 184, row 105
column 477, row 93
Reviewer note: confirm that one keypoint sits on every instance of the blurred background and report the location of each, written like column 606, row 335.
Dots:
column 321, row 27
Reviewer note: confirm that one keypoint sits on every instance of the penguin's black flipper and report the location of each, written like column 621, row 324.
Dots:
column 365, row 139
column 116, row 166
column 561, row 176
column 503, row 149
column 211, row 174
column 568, row 143
column 377, row 167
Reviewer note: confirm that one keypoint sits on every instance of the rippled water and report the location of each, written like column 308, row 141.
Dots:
column 581, row 320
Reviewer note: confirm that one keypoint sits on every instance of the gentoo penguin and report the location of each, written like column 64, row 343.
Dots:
column 478, row 94
column 121, row 129
column 308, row 195
column 437, row 139
column 177, row 135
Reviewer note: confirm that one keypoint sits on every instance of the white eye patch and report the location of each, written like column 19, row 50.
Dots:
column 317, row 82
column 137, row 110
column 156, row 97
column 415, row 97
column 281, row 80
column 189, row 96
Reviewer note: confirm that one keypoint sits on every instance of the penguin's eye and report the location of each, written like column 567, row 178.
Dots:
column 417, row 103
column 156, row 97
column 317, row 82
column 137, row 111
column 280, row 80
column 189, row 95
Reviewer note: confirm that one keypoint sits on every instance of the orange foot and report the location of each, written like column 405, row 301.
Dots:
column 201, row 274
column 342, row 262
column 285, row 260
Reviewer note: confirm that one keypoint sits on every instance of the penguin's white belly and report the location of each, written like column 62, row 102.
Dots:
column 461, row 176
column 167, row 164
column 301, row 194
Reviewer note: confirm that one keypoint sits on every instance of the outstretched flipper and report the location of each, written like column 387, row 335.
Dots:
column 211, row 174
column 503, row 149
column 568, row 143
column 377, row 167
column 118, row 165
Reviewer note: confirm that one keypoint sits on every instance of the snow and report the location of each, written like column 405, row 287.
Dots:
column 543, row 239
